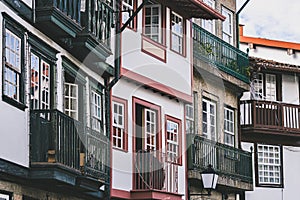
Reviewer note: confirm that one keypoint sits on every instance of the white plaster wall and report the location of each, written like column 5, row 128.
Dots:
column 279, row 55
column 291, row 163
column 122, row 161
column 175, row 73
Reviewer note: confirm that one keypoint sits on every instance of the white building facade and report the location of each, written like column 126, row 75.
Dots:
column 270, row 116
column 148, row 107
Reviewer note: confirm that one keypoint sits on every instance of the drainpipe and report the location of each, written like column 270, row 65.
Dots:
column 237, row 23
column 110, row 84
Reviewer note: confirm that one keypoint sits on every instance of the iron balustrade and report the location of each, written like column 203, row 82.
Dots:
column 153, row 171
column 58, row 138
column 225, row 160
column 226, row 57
column 268, row 114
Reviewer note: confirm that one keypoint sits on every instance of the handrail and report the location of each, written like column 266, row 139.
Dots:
column 226, row 160
column 226, row 57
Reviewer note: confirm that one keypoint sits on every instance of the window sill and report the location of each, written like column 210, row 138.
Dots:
column 180, row 54
column 14, row 103
column 269, row 185
column 119, row 149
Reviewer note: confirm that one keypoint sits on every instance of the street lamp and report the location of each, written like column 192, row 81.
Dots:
column 209, row 181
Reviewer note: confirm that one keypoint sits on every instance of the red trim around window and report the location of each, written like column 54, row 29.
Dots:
column 158, row 45
column 178, row 121
column 183, row 37
column 134, row 28
column 125, row 135
column 152, row 106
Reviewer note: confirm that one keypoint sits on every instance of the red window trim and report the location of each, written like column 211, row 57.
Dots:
column 178, row 121
column 183, row 38
column 134, row 20
column 125, row 135
column 136, row 100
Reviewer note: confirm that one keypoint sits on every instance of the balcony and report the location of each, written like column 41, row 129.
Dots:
column 233, row 165
column 155, row 177
column 225, row 57
column 83, row 29
column 269, row 121
column 65, row 153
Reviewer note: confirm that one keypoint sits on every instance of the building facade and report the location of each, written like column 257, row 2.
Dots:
column 55, row 99
column 270, row 116
column 148, row 108
column 220, row 77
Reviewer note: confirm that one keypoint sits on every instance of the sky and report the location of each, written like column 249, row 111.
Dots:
column 271, row 19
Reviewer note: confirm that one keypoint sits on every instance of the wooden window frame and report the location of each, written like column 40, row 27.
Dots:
column 179, row 133
column 133, row 24
column 183, row 48
column 204, row 21
column 152, row 106
column 228, row 11
column 208, row 117
column 226, row 132
column 125, row 132
column 17, row 31
column 269, row 185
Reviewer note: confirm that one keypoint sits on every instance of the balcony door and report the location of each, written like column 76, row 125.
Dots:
column 148, row 159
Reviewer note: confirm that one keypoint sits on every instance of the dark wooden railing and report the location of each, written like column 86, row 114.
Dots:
column 225, row 160
column 94, row 17
column 226, row 57
column 153, row 171
column 97, row 18
column 268, row 114
column 58, row 138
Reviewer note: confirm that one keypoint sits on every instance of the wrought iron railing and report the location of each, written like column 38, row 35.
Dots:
column 225, row 160
column 271, row 115
column 226, row 57
column 58, row 138
column 154, row 172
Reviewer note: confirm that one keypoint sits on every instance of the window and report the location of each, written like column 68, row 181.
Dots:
column 209, row 25
column 270, row 87
column 96, row 106
column 173, row 139
column 118, row 125
column 189, row 119
column 269, row 165
column 127, row 11
column 264, row 87
column 13, row 83
column 4, row 196
column 147, row 131
column 152, row 22
column 229, row 127
column 209, row 119
column 227, row 25
column 40, row 83
column 71, row 100
column 150, row 129
column 177, row 30
column 257, row 86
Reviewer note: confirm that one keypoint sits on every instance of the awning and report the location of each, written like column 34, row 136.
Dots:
column 192, row 8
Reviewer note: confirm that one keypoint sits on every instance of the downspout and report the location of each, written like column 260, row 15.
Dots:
column 237, row 24
column 110, row 84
